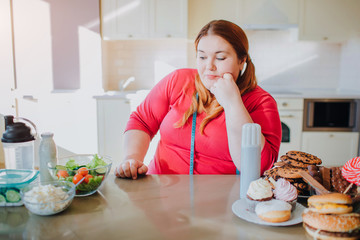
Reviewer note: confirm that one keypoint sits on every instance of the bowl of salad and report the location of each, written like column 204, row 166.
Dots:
column 88, row 172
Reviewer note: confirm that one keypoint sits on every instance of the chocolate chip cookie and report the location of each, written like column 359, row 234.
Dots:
column 304, row 157
column 287, row 171
column 272, row 173
column 288, row 160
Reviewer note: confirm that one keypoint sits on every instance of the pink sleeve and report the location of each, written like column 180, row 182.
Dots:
column 151, row 112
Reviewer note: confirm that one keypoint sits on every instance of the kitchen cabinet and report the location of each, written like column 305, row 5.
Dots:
column 246, row 13
column 169, row 19
column 112, row 116
column 329, row 20
column 203, row 11
column 142, row 19
column 268, row 13
column 333, row 148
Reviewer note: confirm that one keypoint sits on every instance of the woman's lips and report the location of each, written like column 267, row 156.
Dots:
column 212, row 77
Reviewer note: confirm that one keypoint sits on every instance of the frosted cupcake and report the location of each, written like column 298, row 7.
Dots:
column 285, row 191
column 259, row 190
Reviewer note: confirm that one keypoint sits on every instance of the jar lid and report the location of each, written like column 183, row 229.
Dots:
column 16, row 132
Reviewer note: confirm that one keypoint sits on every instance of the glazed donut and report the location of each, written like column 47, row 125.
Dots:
column 273, row 211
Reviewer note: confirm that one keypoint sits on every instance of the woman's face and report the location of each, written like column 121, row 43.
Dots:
column 214, row 57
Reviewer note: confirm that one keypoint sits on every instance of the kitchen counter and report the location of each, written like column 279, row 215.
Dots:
column 152, row 207
column 123, row 94
column 275, row 92
column 311, row 93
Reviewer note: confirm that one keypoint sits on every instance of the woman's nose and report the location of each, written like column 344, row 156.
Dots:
column 210, row 65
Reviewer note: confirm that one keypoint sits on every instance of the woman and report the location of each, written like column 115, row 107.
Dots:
column 221, row 96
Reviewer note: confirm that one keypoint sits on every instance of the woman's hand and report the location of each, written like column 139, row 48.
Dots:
column 130, row 169
column 225, row 90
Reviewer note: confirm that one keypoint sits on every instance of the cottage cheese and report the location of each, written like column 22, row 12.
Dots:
column 46, row 199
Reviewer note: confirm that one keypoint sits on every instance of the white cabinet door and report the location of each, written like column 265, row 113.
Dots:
column 141, row 19
column 169, row 18
column 203, row 11
column 293, row 127
column 329, row 20
column 125, row 19
column 112, row 116
column 333, row 148
column 269, row 12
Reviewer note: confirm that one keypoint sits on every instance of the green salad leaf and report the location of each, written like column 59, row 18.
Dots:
column 96, row 162
column 93, row 184
column 71, row 164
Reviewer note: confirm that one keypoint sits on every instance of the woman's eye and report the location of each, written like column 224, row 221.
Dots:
column 219, row 58
column 202, row 58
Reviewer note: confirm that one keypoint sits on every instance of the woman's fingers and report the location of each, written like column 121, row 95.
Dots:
column 130, row 169
column 143, row 169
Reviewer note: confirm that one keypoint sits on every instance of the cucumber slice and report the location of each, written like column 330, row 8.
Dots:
column 2, row 199
column 12, row 196
column 100, row 170
column 77, row 168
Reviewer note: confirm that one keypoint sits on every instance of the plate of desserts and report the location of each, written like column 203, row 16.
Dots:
column 240, row 209
column 270, row 202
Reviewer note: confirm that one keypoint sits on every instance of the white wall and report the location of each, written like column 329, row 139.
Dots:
column 58, row 63
column 6, row 60
column 281, row 61
column 142, row 59
column 350, row 65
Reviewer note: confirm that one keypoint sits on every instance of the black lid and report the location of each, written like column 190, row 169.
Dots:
column 16, row 132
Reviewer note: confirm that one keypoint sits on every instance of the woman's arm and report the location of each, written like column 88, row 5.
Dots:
column 236, row 114
column 136, row 144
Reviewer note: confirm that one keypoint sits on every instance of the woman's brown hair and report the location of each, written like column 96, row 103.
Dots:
column 207, row 103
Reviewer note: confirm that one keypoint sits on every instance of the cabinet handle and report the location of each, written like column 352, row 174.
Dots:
column 331, row 135
column 168, row 35
column 130, row 36
column 284, row 104
column 287, row 116
column 30, row 98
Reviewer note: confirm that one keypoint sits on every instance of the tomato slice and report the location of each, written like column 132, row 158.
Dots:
column 62, row 173
column 83, row 171
column 87, row 178
column 77, row 178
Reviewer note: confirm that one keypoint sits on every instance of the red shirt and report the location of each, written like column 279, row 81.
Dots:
column 166, row 104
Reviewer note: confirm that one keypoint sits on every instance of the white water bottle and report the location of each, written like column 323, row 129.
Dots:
column 47, row 156
column 250, row 160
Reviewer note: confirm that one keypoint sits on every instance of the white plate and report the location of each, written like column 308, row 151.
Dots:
column 239, row 208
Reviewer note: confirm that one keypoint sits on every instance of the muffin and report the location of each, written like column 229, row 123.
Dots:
column 285, row 191
column 259, row 191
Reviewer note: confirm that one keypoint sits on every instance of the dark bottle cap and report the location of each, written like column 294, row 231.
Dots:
column 16, row 132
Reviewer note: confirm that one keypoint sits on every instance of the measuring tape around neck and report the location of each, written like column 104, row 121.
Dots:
column 191, row 170
column 193, row 128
